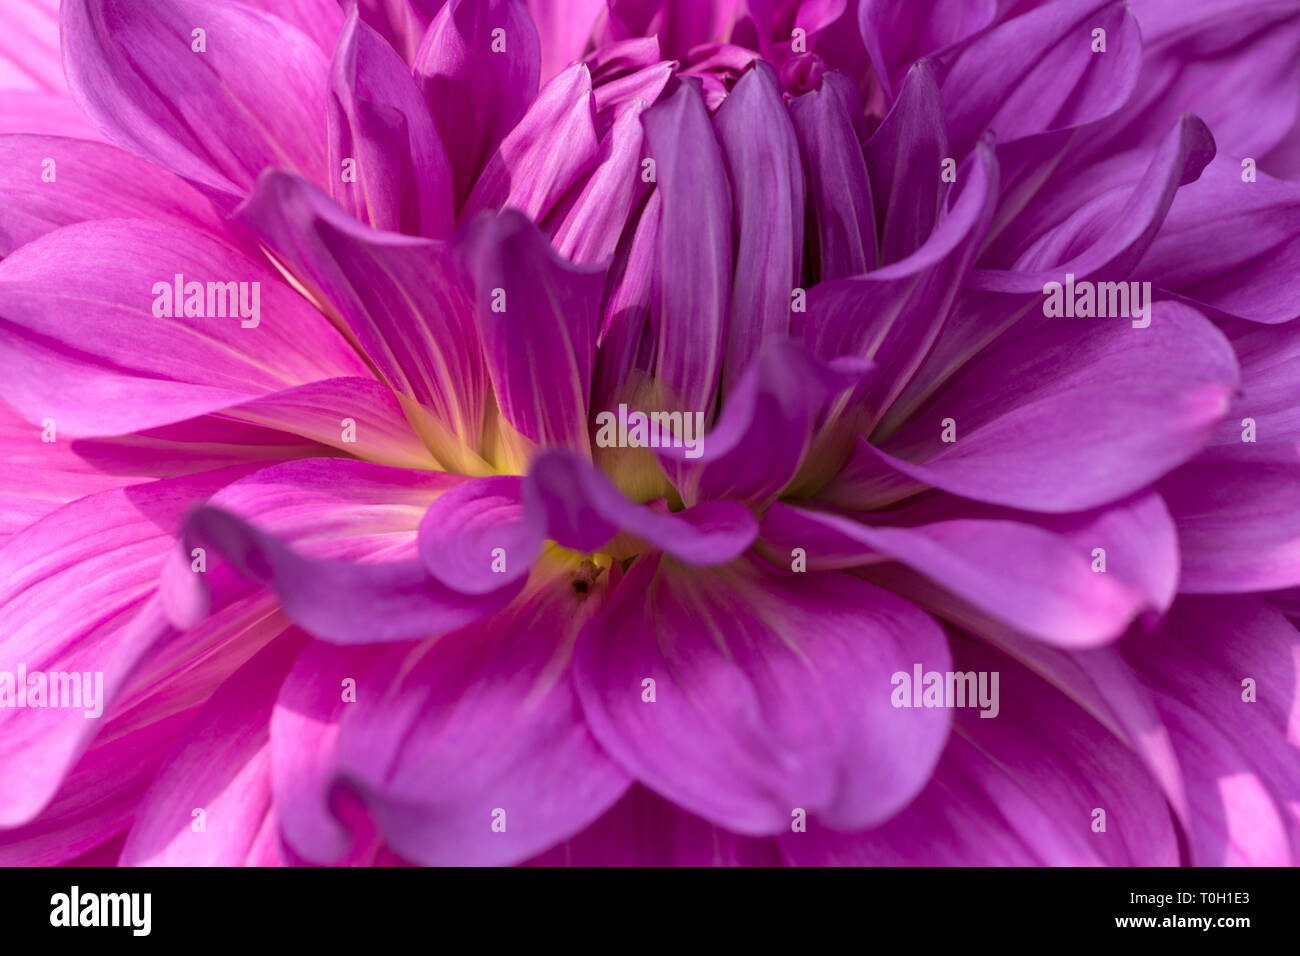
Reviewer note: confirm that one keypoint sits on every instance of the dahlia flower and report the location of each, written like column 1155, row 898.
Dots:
column 651, row 431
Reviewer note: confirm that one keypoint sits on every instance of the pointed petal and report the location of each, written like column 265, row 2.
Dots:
column 695, row 241
column 767, row 195
column 537, row 317
column 477, row 93
column 379, row 120
column 401, row 298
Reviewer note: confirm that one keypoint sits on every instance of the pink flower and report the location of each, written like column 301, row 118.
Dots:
column 649, row 432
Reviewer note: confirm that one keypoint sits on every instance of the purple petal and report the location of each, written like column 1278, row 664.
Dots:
column 112, row 365
column 767, row 194
column 1109, row 234
column 1238, row 527
column 904, row 159
column 1239, row 758
column 402, row 298
column 766, row 427
column 645, row 830
column 1037, row 72
column 584, row 510
column 537, row 316
column 132, row 69
column 689, row 316
column 1231, row 247
column 1017, row 790
column 756, row 714
column 477, row 95
column 1025, row 576
column 379, row 121
column 897, row 33
column 842, row 225
column 894, row 314
column 473, row 749
column 1060, row 420
column 336, row 540
column 478, row 537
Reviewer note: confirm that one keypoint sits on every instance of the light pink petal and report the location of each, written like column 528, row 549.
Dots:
column 110, row 365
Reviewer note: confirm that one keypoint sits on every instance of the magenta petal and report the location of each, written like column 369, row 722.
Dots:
column 1109, row 234
column 478, row 537
column 897, row 33
column 1016, row 790
column 222, row 768
column 1231, row 246
column 695, row 241
column 1240, row 759
column 477, row 95
column 895, row 314
column 768, row 198
column 842, row 223
column 913, row 136
column 379, row 122
column 132, row 69
column 29, row 46
column 336, row 540
column 756, row 714
column 564, row 27
column 37, row 112
column 402, row 298
column 1238, row 527
column 537, row 317
column 1037, row 72
column 75, row 593
column 304, row 728
column 766, row 427
column 112, row 365
column 588, row 223
column 643, row 829
column 1059, row 420
column 92, row 181
column 583, row 510
column 472, row 749
column 545, row 153
column 1030, row 579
